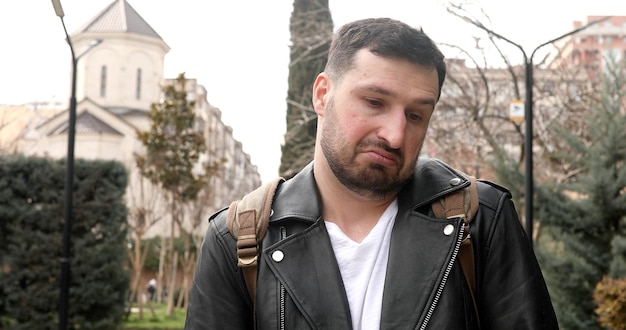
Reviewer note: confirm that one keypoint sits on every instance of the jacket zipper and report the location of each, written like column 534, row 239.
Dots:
column 281, row 289
column 446, row 274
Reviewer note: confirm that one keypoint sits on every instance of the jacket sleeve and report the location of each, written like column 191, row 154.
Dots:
column 218, row 298
column 512, row 290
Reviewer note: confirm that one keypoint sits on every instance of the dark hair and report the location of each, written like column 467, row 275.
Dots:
column 387, row 38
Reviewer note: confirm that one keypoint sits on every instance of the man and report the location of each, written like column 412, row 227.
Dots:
column 352, row 242
column 151, row 289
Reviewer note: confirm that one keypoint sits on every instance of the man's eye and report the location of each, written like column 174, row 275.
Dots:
column 413, row 116
column 374, row 103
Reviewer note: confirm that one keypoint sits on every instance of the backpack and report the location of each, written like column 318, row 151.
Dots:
column 248, row 220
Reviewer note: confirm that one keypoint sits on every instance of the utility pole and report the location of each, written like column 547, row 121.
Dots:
column 69, row 179
column 528, row 113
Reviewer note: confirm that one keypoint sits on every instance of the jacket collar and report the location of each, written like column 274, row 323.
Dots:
column 299, row 196
column 418, row 254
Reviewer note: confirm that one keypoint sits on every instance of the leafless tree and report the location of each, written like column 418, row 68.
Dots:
column 473, row 123
column 144, row 213
column 191, row 231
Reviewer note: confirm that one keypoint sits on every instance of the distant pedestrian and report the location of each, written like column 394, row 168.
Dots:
column 151, row 288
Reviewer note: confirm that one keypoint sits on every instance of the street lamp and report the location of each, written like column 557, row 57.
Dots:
column 69, row 177
column 528, row 114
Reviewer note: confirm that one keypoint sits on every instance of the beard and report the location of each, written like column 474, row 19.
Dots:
column 372, row 180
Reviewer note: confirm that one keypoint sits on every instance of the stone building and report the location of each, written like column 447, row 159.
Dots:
column 119, row 75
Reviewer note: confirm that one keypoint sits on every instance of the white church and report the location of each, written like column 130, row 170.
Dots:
column 119, row 75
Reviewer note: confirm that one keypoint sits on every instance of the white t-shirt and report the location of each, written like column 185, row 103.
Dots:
column 363, row 267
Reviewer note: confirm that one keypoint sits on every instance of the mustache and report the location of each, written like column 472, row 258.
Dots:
column 381, row 144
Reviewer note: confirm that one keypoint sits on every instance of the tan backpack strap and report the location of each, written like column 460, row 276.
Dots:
column 247, row 221
column 459, row 204
column 472, row 193
column 463, row 204
column 466, row 254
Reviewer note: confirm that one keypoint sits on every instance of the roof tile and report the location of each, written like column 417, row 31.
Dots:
column 119, row 16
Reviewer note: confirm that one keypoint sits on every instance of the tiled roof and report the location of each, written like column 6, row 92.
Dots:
column 119, row 16
column 87, row 123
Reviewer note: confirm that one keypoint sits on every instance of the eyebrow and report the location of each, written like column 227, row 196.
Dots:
column 386, row 92
column 378, row 90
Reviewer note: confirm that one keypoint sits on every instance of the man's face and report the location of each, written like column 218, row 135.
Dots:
column 373, row 122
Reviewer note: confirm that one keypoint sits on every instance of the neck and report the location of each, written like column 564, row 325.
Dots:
column 355, row 214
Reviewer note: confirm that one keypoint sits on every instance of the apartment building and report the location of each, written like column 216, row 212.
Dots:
column 592, row 47
column 118, row 78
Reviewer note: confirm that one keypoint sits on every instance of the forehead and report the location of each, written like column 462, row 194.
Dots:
column 392, row 75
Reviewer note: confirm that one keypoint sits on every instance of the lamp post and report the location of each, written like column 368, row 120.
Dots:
column 528, row 114
column 69, row 178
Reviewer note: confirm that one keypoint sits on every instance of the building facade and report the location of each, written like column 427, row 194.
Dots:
column 592, row 47
column 119, row 75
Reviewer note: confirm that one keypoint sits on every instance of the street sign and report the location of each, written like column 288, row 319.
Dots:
column 516, row 111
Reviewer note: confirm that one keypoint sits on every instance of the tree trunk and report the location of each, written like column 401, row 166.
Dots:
column 187, row 266
column 161, row 275
column 173, row 258
column 170, row 296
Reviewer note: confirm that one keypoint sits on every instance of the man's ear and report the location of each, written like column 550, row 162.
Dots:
column 321, row 89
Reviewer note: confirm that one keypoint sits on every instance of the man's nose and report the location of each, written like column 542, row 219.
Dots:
column 392, row 128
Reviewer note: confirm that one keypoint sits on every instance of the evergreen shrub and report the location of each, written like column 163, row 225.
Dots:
column 31, row 230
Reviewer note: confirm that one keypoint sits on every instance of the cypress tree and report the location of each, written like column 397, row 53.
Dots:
column 311, row 31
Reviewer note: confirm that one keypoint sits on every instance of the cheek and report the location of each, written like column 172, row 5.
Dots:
column 414, row 144
column 354, row 127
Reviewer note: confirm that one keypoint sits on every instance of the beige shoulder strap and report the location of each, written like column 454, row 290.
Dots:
column 247, row 221
column 462, row 204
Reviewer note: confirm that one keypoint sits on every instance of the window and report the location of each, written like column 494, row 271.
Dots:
column 198, row 125
column 138, row 86
column 103, row 81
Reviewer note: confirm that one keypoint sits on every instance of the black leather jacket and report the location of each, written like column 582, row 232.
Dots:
column 424, row 286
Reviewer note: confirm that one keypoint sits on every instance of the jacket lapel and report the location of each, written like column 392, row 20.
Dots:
column 418, row 256
column 310, row 274
column 420, row 248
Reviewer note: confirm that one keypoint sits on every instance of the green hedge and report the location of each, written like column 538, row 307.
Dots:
column 31, row 227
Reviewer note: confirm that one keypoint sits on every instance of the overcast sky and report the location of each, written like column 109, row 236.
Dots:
column 239, row 50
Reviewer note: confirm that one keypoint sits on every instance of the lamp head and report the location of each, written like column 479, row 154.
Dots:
column 58, row 9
